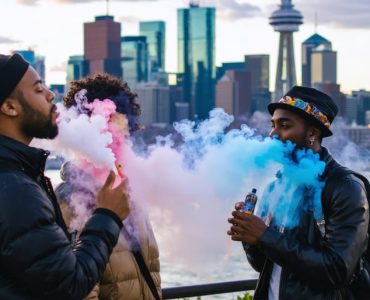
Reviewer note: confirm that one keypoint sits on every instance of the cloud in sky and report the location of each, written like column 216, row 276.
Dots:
column 227, row 9
column 59, row 67
column 128, row 19
column 232, row 9
column 7, row 40
column 36, row 2
column 27, row 2
column 82, row 1
column 344, row 14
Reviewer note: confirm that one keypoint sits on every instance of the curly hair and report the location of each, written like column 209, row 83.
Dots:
column 103, row 86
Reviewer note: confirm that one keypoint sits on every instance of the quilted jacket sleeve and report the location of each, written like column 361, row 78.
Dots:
column 333, row 263
column 35, row 252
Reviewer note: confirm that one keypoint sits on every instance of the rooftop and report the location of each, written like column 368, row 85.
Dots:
column 316, row 39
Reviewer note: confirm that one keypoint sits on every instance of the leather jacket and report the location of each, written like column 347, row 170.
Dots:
column 316, row 266
column 37, row 260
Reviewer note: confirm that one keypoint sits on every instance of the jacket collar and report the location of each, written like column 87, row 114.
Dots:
column 326, row 157
column 29, row 159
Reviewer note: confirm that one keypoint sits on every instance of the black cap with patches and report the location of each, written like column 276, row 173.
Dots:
column 311, row 104
column 12, row 69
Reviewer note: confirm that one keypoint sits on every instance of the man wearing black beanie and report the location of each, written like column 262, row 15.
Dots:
column 36, row 257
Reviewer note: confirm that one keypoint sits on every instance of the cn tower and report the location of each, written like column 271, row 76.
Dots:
column 285, row 20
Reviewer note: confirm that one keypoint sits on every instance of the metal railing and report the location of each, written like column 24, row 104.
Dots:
column 209, row 289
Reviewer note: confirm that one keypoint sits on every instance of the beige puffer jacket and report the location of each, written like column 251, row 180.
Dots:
column 122, row 279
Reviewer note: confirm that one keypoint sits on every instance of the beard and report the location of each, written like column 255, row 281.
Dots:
column 37, row 125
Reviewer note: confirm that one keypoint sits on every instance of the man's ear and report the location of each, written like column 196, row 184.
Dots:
column 314, row 132
column 10, row 107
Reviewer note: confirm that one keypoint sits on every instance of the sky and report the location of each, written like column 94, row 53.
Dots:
column 54, row 29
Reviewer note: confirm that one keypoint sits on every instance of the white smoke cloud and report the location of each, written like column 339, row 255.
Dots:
column 190, row 191
column 345, row 151
column 82, row 138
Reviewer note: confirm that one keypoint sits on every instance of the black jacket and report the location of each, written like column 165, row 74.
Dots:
column 37, row 260
column 316, row 267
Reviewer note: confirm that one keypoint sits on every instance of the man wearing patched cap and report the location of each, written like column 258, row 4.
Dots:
column 313, row 261
column 36, row 257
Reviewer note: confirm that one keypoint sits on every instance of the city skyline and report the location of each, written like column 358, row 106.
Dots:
column 239, row 28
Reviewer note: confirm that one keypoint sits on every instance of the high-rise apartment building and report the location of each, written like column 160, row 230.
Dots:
column 358, row 107
column 333, row 90
column 196, row 57
column 156, row 101
column 220, row 71
column 233, row 92
column 155, row 33
column 77, row 67
column 308, row 46
column 135, row 61
column 259, row 68
column 102, row 46
column 323, row 65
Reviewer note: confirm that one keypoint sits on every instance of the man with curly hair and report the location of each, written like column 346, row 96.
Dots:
column 102, row 86
column 123, row 277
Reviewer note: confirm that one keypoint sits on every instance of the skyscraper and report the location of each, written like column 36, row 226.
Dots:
column 134, row 60
column 285, row 20
column 323, row 65
column 220, row 71
column 155, row 33
column 196, row 57
column 233, row 92
column 156, row 100
column 359, row 101
column 77, row 67
column 102, row 46
column 259, row 68
column 333, row 90
column 307, row 46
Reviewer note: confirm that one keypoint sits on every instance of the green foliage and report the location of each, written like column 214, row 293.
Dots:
column 246, row 296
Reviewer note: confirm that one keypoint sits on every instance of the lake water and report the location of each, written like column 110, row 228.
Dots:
column 173, row 274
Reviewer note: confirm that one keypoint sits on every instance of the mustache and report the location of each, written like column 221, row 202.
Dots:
column 53, row 108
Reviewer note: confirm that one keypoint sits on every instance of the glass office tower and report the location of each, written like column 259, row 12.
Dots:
column 134, row 56
column 155, row 33
column 196, row 57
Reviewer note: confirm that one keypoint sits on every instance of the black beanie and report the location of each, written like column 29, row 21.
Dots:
column 12, row 69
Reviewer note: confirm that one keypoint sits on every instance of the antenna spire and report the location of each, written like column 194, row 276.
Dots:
column 315, row 21
column 107, row 7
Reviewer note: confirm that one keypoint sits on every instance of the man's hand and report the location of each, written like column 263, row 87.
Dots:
column 114, row 199
column 239, row 205
column 246, row 228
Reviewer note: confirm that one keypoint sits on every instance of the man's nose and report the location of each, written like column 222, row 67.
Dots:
column 50, row 95
column 273, row 132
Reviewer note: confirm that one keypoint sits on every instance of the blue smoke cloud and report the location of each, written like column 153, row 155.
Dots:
column 236, row 161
